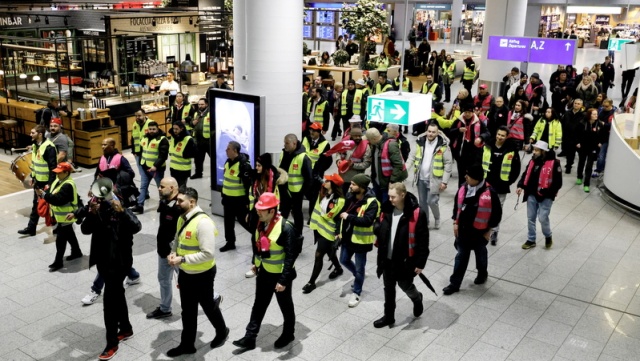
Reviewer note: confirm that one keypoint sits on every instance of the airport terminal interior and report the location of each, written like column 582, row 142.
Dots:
column 578, row 300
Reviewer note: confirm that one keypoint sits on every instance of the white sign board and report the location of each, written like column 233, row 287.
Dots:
column 405, row 109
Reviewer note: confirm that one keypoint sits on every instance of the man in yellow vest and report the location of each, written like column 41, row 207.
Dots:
column 63, row 198
column 155, row 150
column 193, row 251
column 318, row 109
column 501, row 163
column 316, row 145
column 202, row 133
column 138, row 131
column 360, row 213
column 182, row 148
column 44, row 158
column 353, row 102
column 432, row 165
column 295, row 161
column 432, row 87
column 383, row 85
column 275, row 252
column 235, row 192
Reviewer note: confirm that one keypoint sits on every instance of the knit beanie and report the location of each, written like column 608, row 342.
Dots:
column 361, row 180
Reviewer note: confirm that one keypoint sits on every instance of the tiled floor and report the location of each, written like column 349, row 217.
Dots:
column 576, row 301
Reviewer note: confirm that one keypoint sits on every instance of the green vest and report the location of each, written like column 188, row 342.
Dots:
column 39, row 166
column 364, row 235
column 60, row 212
column 468, row 74
column 451, row 69
column 324, row 223
column 275, row 262
column 313, row 154
column 405, row 84
column 432, row 89
column 137, row 134
column 232, row 183
column 505, row 168
column 382, row 89
column 486, row 160
column 437, row 168
column 178, row 162
column 150, row 151
column 296, row 180
column 206, row 127
column 185, row 113
column 357, row 98
column 188, row 243
column 318, row 116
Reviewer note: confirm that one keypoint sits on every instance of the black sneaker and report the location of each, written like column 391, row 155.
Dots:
column 283, row 341
column 494, row 238
column 548, row 242
column 336, row 273
column 245, row 343
column 137, row 209
column 450, row 289
column 73, row 256
column 55, row 266
column 158, row 313
column 181, row 350
column 309, row 287
column 228, row 247
column 480, row 279
column 383, row 322
column 220, row 339
column 418, row 307
column 196, row 176
column 27, row 232
column 528, row 244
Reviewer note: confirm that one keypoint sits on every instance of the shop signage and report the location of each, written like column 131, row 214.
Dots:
column 171, row 59
column 616, row 44
column 91, row 32
column 433, row 6
column 533, row 50
column 10, row 21
column 163, row 24
column 405, row 109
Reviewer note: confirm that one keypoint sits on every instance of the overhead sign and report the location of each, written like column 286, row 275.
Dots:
column 615, row 44
column 533, row 50
column 508, row 48
column 405, row 109
column 553, row 51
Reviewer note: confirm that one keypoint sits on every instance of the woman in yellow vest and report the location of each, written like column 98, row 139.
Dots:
column 182, row 149
column 182, row 111
column 325, row 222
column 63, row 198
column 382, row 63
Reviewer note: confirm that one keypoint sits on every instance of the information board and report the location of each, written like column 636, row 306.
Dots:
column 325, row 17
column 508, row 48
column 553, row 51
column 325, row 32
column 307, row 31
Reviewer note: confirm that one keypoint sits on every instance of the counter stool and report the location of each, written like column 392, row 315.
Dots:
column 9, row 133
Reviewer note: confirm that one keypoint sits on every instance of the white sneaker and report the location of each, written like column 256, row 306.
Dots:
column 354, row 301
column 436, row 224
column 250, row 274
column 134, row 281
column 90, row 298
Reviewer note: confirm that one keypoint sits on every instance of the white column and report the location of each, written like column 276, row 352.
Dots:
column 456, row 21
column 268, row 61
column 504, row 17
column 532, row 24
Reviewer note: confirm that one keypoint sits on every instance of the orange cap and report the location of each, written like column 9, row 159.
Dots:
column 335, row 178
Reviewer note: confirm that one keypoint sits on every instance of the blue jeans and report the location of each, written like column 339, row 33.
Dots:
column 428, row 200
column 98, row 282
column 165, row 275
column 541, row 211
column 602, row 158
column 356, row 269
column 145, row 179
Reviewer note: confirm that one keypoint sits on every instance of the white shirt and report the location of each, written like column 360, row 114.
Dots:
column 170, row 85
column 427, row 157
column 395, row 219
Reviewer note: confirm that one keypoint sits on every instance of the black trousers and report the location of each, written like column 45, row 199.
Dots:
column 569, row 150
column 34, row 217
column 291, row 202
column 479, row 247
column 586, row 158
column 327, row 247
column 265, row 288
column 116, row 313
column 468, row 84
column 197, row 289
column 390, row 279
column 181, row 176
column 66, row 234
column 447, row 92
column 336, row 127
column 234, row 208
column 202, row 149
column 625, row 87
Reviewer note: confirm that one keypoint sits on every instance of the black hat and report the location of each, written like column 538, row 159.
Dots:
column 535, row 75
column 361, row 180
column 265, row 160
column 466, row 107
column 476, row 172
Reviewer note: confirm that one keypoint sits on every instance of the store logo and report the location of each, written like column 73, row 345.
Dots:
column 504, row 43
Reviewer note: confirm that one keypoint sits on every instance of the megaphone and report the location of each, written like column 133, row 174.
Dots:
column 102, row 188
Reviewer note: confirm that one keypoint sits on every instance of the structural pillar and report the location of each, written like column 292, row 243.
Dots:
column 456, row 22
column 268, row 61
column 504, row 17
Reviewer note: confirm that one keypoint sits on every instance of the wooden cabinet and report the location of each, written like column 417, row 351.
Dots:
column 89, row 144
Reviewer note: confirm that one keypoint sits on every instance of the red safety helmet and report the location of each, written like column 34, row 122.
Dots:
column 343, row 166
column 316, row 126
column 267, row 200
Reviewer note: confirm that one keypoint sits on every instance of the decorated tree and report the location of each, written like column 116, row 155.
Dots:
column 364, row 19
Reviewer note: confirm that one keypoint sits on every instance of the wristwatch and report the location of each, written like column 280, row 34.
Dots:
column 183, row 259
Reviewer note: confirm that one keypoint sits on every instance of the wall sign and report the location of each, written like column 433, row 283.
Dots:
column 164, row 24
column 533, row 50
column 508, row 48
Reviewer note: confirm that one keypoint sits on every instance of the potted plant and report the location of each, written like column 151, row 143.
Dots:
column 340, row 57
column 364, row 19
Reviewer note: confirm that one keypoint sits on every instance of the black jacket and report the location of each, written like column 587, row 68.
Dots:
column 571, row 122
column 466, row 231
column 403, row 265
column 590, row 135
column 497, row 156
column 62, row 197
column 306, row 166
column 496, row 117
column 169, row 214
column 111, row 238
column 532, row 187
column 163, row 150
column 291, row 243
column 367, row 220
column 245, row 172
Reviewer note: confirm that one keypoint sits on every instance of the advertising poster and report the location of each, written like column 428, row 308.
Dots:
column 234, row 122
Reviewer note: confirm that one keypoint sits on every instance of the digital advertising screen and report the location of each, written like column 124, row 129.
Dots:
column 234, row 117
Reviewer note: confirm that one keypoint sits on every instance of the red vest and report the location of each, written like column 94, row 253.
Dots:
column 114, row 164
column 387, row 168
column 485, row 105
column 484, row 208
column 546, row 175
column 516, row 128
column 358, row 153
column 412, row 231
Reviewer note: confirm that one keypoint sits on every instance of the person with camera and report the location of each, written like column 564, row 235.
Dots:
column 63, row 198
column 193, row 251
column 111, row 227
column 277, row 247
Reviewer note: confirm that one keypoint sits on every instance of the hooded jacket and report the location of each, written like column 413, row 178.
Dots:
column 434, row 182
column 400, row 262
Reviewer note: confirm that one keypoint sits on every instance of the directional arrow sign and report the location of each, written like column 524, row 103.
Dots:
column 405, row 109
column 552, row 51
column 615, row 44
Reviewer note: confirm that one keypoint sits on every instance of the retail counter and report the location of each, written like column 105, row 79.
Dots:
column 622, row 172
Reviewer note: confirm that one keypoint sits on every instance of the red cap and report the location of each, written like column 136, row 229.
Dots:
column 267, row 201
column 483, row 86
column 63, row 167
column 56, row 121
column 343, row 166
column 316, row 126
column 335, row 178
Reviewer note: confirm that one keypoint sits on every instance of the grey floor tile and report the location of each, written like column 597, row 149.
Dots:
column 533, row 350
column 548, row 331
column 388, row 353
column 478, row 317
column 458, row 337
column 520, row 315
column 562, row 311
column 437, row 352
column 578, row 348
column 485, row 352
column 503, row 335
column 362, row 345
column 596, row 329
column 622, row 347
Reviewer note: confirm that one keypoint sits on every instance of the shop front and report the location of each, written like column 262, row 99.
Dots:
column 434, row 18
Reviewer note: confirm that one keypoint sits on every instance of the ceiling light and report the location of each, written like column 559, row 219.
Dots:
column 23, row 76
column 37, row 18
column 66, row 22
column 36, row 78
column 51, row 81
column 46, row 20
